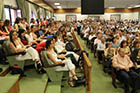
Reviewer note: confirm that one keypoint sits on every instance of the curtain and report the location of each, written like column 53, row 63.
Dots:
column 44, row 13
column 37, row 10
column 1, row 8
column 24, row 6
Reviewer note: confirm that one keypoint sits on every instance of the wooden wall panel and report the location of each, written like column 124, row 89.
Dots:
column 106, row 10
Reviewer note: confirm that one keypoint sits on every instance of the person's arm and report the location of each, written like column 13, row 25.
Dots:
column 130, row 62
column 2, row 33
column 16, row 27
column 6, row 29
column 61, row 56
column 114, row 51
column 105, row 52
column 17, row 50
column 129, row 53
column 50, row 56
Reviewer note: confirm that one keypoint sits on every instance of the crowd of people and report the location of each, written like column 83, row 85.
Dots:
column 117, row 45
column 51, row 36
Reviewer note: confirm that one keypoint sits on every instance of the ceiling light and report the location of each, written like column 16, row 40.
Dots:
column 59, row 7
column 129, row 7
column 56, row 3
column 137, row 6
column 111, row 7
column 78, row 7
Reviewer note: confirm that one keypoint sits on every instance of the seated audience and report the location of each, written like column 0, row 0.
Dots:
column 57, row 59
column 30, row 53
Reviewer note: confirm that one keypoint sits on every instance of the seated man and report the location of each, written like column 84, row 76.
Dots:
column 124, row 65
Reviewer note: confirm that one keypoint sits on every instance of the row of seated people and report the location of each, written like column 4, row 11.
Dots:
column 116, row 45
column 55, row 38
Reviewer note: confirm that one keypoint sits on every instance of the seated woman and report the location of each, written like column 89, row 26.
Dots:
column 3, row 35
column 39, row 47
column 115, row 43
column 18, row 25
column 57, row 60
column 30, row 53
column 7, row 26
column 109, row 52
column 1, row 29
column 125, row 46
column 30, row 37
column 61, row 49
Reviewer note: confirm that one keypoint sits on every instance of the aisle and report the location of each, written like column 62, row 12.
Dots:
column 101, row 82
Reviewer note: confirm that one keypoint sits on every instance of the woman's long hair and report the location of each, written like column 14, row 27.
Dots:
column 48, row 43
column 20, row 36
column 11, row 36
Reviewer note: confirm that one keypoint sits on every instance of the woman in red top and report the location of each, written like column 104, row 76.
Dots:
column 39, row 47
column 1, row 29
column 7, row 26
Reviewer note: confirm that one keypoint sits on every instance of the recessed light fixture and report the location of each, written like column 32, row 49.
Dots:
column 56, row 3
column 137, row 6
column 129, row 7
column 111, row 7
column 78, row 7
column 59, row 6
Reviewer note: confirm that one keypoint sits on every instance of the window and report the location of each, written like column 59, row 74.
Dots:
column 12, row 13
column 7, row 14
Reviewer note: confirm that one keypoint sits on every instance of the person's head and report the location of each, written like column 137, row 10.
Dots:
column 99, row 36
column 28, row 29
column 7, row 22
column 114, row 40
column 32, row 20
column 42, row 27
column 18, row 20
column 103, row 39
column 33, row 28
column 38, row 21
column 13, row 35
column 138, row 53
column 121, row 52
column 23, row 21
column 1, row 23
column 109, row 45
column 21, row 33
column 136, row 44
column 123, row 44
column 50, row 43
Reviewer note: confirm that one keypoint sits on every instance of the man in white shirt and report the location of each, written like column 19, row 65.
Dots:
column 100, row 49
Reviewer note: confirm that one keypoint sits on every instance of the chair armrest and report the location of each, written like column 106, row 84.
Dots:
column 54, row 65
column 14, row 54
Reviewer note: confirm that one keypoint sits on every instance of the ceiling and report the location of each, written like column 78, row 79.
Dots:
column 67, row 4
